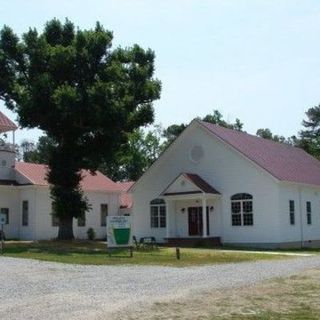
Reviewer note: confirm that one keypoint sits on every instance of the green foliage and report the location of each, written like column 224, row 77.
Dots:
column 134, row 157
column 85, row 96
column 36, row 153
column 217, row 118
column 91, row 234
column 264, row 133
column 267, row 134
column 310, row 137
column 173, row 131
column 25, row 149
column 238, row 125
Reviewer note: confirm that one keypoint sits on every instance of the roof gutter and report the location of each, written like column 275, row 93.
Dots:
column 301, row 184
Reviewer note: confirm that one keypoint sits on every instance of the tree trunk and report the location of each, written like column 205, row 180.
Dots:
column 65, row 229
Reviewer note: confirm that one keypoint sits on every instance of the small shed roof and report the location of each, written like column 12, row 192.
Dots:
column 36, row 174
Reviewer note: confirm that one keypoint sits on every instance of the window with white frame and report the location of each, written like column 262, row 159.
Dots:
column 242, row 209
column 55, row 221
column 25, row 213
column 158, row 213
column 5, row 212
column 82, row 221
column 103, row 214
column 308, row 209
column 292, row 212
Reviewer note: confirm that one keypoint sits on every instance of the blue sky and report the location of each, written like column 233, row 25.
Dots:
column 256, row 60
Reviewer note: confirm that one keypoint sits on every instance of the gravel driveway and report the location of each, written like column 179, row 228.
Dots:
column 31, row 289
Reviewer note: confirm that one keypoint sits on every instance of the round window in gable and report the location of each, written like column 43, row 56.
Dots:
column 196, row 154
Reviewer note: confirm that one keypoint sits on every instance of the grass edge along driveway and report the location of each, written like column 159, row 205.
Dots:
column 295, row 297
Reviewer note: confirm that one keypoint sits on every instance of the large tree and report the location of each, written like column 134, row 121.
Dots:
column 84, row 95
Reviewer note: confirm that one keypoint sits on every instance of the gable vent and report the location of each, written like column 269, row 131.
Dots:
column 196, row 154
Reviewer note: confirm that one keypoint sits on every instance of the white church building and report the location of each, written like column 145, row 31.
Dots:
column 218, row 185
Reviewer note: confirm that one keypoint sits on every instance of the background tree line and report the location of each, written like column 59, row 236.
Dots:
column 145, row 145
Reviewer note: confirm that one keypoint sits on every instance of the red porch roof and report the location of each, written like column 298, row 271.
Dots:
column 196, row 180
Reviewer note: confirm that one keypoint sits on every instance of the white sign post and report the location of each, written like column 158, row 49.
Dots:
column 3, row 220
column 119, row 232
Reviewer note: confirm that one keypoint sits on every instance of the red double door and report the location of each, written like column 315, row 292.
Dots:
column 195, row 221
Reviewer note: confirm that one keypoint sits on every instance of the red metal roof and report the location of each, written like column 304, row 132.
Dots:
column 126, row 197
column 36, row 174
column 6, row 124
column 284, row 162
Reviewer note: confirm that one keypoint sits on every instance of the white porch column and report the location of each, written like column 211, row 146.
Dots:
column 167, row 219
column 204, row 218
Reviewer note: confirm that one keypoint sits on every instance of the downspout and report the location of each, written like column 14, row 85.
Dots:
column 167, row 219
column 301, row 219
column 35, row 212
column 204, row 217
column 20, row 213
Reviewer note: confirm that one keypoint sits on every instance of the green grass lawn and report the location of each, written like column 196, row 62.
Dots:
column 94, row 253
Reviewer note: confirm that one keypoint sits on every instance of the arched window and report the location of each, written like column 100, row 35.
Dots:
column 242, row 209
column 158, row 213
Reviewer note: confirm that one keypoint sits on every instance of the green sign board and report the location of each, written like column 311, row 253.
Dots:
column 118, row 231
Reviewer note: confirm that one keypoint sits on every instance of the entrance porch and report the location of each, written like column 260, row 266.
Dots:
column 193, row 212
